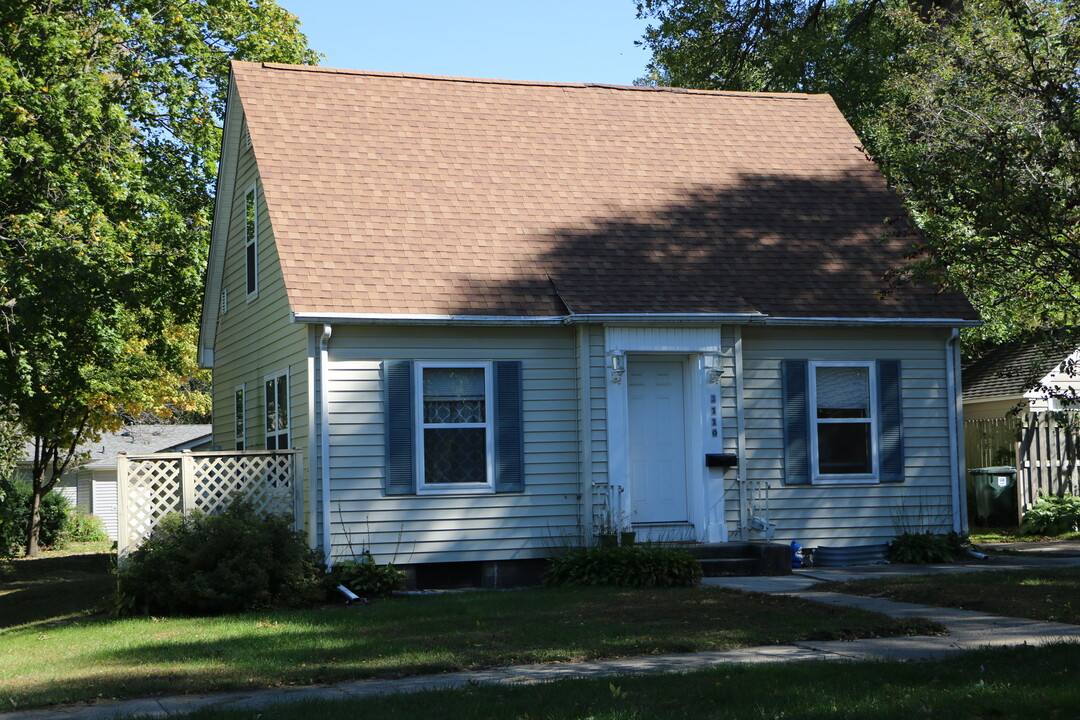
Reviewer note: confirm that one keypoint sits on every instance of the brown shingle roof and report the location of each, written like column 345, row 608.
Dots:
column 421, row 195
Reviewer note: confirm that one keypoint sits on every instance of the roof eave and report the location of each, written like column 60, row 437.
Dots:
column 219, row 229
column 755, row 318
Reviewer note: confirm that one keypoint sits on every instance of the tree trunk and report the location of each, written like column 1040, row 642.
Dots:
column 33, row 524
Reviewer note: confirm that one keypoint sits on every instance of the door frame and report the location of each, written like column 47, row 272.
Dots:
column 684, row 361
column 690, row 345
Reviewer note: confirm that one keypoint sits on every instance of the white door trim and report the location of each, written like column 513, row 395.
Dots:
column 706, row 509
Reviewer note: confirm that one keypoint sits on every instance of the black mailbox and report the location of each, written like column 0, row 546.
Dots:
column 723, row 460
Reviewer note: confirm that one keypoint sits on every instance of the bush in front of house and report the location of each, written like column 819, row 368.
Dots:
column 232, row 561
column 625, row 566
column 15, row 513
column 1052, row 515
column 923, row 547
column 366, row 579
column 83, row 527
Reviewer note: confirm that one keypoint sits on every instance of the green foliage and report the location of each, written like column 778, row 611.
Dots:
column 83, row 527
column 922, row 547
column 367, row 579
column 212, row 564
column 109, row 114
column 15, row 513
column 1052, row 516
column 626, row 566
column 980, row 135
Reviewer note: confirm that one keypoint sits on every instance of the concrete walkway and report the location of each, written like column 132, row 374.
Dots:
column 967, row 630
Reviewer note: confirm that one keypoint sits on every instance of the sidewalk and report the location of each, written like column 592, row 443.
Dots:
column 967, row 630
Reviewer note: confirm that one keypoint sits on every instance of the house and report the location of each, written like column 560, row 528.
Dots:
column 92, row 485
column 497, row 316
column 1019, row 411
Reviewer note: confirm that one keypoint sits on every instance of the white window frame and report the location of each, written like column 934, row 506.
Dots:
column 275, row 377
column 240, row 416
column 816, row 476
column 251, row 271
column 423, row 488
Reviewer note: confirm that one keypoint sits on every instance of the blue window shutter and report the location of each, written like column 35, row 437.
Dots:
column 509, row 432
column 400, row 434
column 890, row 421
column 796, row 422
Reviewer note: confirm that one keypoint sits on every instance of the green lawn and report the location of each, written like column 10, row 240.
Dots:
column 59, row 585
column 1052, row 595
column 990, row 536
column 1003, row 684
column 69, row 657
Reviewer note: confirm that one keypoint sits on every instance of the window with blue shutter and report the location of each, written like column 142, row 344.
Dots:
column 842, row 422
column 453, row 427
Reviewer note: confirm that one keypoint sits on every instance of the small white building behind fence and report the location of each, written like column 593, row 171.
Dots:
column 153, row 486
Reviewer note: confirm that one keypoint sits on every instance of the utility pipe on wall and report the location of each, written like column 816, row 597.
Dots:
column 324, row 436
column 955, row 410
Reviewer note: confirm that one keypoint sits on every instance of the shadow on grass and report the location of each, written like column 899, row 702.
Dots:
column 427, row 635
column 50, row 589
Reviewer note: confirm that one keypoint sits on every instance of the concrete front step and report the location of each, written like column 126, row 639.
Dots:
column 742, row 558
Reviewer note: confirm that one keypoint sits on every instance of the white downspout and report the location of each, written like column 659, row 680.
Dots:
column 956, row 431
column 324, row 437
column 740, row 426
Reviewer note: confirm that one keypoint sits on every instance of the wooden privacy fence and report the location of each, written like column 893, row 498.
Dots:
column 153, row 486
column 1041, row 446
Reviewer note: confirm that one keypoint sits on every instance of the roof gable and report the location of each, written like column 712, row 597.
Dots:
column 408, row 195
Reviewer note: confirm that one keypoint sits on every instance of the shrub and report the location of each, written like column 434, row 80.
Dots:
column 1052, row 516
column 922, row 547
column 367, row 579
column 626, row 566
column 233, row 561
column 83, row 527
column 15, row 513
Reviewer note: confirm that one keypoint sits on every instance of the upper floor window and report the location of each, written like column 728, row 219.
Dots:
column 251, row 242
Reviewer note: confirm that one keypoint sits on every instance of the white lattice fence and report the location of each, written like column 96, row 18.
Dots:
column 153, row 486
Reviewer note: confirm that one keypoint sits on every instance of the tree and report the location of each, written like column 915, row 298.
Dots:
column 970, row 109
column 108, row 142
column 981, row 135
column 841, row 47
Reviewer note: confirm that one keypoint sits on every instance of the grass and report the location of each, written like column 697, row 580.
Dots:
column 1052, row 595
column 70, row 657
column 991, row 535
column 59, row 585
column 1004, row 684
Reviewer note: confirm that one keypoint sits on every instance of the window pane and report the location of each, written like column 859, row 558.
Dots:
column 249, row 217
column 453, row 395
column 271, row 411
column 455, row 455
column 238, row 405
column 282, row 402
column 844, row 448
column 843, row 392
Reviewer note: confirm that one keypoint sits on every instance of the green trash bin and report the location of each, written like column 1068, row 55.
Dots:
column 995, row 495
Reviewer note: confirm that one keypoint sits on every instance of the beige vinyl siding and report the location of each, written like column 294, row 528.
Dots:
column 853, row 514
column 453, row 528
column 256, row 338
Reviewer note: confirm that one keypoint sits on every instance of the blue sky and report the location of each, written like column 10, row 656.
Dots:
column 558, row 40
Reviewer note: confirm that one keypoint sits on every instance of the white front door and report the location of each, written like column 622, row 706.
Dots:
column 657, row 441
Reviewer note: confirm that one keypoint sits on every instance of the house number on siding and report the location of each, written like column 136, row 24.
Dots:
column 712, row 413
